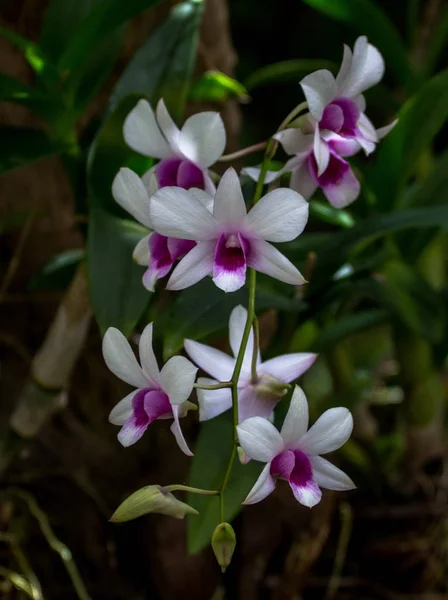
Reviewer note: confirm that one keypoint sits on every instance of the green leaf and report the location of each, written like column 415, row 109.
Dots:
column 287, row 70
column 332, row 255
column 46, row 71
column 437, row 41
column 116, row 290
column 102, row 20
column 13, row 90
column 21, row 145
column 108, row 153
column 57, row 273
column 420, row 119
column 215, row 86
column 323, row 211
column 212, row 453
column 347, row 326
column 163, row 65
column 367, row 18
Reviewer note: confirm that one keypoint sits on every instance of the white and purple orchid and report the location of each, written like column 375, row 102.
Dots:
column 336, row 127
column 229, row 239
column 255, row 397
column 185, row 157
column 185, row 154
column 156, row 252
column 159, row 394
column 293, row 454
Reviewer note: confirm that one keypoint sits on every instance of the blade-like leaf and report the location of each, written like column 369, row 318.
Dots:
column 287, row 70
column 116, row 291
column 207, row 471
column 163, row 65
column 347, row 326
column 420, row 119
column 366, row 17
column 21, row 145
column 57, row 273
column 215, row 86
column 13, row 90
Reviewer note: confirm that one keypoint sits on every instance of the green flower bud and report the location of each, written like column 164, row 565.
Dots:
column 151, row 499
column 223, row 544
column 270, row 387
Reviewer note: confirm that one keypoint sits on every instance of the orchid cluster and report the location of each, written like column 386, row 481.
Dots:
column 196, row 230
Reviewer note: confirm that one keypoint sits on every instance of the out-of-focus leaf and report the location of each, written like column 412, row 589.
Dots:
column 13, row 90
column 437, row 41
column 335, row 253
column 45, row 70
column 21, row 145
column 347, row 326
column 420, row 119
column 61, row 21
column 212, row 453
column 323, row 211
column 163, row 65
column 203, row 309
column 429, row 192
column 14, row 220
column 367, row 18
column 287, row 70
column 102, row 20
column 58, row 272
column 109, row 153
column 215, row 86
column 116, row 290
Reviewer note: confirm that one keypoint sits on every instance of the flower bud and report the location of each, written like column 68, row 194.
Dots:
column 270, row 387
column 223, row 544
column 151, row 499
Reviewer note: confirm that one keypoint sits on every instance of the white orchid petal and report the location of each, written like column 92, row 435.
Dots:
column 130, row 193
column 175, row 212
column 288, row 367
column 120, row 359
column 203, row 138
column 260, row 439
column 319, row 89
column 264, row 485
column 308, row 494
column 254, row 174
column 211, row 360
column 321, row 152
column 141, row 251
column 142, row 134
column 177, row 432
column 122, row 411
column 131, row 432
column 343, row 192
column 229, row 206
column 294, row 141
column 197, row 264
column 280, row 216
column 383, row 131
column 267, row 259
column 296, row 421
column 367, row 69
column 302, row 181
column 329, row 477
column 177, row 378
column 345, row 69
column 209, row 186
column 204, row 198
column 329, row 432
column 212, row 402
column 147, row 356
column 168, row 126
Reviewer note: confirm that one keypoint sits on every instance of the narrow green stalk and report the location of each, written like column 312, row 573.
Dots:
column 213, row 386
column 293, row 114
column 254, row 374
column 243, row 152
column 186, row 488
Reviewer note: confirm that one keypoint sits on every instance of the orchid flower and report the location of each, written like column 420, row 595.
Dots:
column 158, row 394
column 185, row 154
column 255, row 397
column 156, row 252
column 335, row 128
column 230, row 239
column 293, row 453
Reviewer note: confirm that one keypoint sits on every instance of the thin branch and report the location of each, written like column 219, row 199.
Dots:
column 243, row 152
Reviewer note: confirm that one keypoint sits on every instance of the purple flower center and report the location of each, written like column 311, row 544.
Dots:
column 341, row 116
column 294, row 466
column 179, row 172
column 148, row 405
column 333, row 174
column 231, row 256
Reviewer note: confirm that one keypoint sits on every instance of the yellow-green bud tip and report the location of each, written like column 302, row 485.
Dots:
column 151, row 499
column 223, row 544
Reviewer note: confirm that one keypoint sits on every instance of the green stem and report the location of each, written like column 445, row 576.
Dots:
column 243, row 152
column 213, row 386
column 254, row 374
column 292, row 115
column 186, row 488
column 235, row 378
